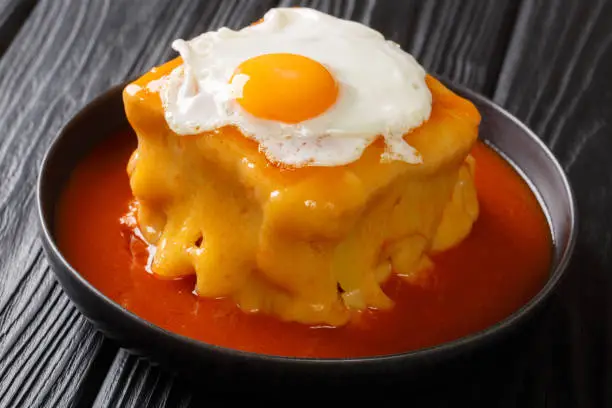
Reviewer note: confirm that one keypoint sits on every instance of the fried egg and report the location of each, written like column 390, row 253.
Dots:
column 309, row 88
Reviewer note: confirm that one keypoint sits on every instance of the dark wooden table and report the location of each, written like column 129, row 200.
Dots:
column 547, row 61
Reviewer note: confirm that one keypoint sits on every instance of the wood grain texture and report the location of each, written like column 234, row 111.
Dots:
column 42, row 314
column 553, row 75
column 12, row 15
column 556, row 78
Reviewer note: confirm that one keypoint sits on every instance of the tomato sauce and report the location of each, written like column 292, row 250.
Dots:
column 501, row 265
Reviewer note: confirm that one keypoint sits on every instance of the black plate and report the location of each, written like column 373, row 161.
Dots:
column 206, row 362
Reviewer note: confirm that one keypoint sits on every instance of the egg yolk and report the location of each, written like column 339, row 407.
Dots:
column 286, row 88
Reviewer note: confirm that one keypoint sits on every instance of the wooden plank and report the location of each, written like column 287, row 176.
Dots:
column 12, row 15
column 69, row 51
column 556, row 77
column 134, row 382
column 34, row 344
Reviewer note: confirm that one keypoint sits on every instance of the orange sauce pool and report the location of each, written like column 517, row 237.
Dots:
column 498, row 268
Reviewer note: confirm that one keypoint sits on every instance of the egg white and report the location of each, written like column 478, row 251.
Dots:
column 381, row 88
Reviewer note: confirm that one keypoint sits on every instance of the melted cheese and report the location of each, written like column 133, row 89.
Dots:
column 313, row 244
